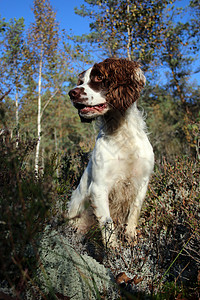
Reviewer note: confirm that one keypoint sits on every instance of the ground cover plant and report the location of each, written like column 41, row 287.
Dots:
column 166, row 256
column 26, row 204
column 164, row 263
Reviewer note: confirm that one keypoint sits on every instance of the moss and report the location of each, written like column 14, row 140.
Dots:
column 62, row 270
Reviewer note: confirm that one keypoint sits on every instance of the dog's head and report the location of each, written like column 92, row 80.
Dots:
column 109, row 85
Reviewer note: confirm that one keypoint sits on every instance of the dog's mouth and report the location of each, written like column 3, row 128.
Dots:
column 87, row 109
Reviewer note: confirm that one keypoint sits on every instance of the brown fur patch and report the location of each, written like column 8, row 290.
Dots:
column 120, row 199
column 121, row 81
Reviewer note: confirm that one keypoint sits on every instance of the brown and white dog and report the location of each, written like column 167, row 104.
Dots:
column 115, row 181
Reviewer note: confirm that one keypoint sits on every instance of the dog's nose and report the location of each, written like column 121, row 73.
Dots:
column 75, row 93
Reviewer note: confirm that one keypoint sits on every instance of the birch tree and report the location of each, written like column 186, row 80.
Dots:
column 43, row 46
column 123, row 27
column 12, row 60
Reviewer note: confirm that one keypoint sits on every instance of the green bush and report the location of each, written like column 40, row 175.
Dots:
column 25, row 207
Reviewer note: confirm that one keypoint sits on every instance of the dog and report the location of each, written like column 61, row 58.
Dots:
column 114, row 184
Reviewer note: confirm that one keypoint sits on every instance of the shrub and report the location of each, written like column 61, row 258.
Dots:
column 167, row 252
column 25, row 206
column 72, row 167
column 173, row 210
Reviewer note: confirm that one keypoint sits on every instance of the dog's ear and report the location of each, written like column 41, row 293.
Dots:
column 123, row 96
column 127, row 90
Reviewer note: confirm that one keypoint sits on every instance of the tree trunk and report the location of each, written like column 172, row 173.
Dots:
column 16, row 107
column 39, row 115
column 17, row 117
column 129, row 33
column 56, row 148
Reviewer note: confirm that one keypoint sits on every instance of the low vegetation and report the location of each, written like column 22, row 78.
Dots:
column 164, row 263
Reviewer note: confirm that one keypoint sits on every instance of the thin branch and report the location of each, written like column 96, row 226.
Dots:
column 5, row 94
column 181, row 272
column 47, row 103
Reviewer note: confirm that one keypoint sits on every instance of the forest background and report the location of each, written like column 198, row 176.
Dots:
column 40, row 63
column 43, row 143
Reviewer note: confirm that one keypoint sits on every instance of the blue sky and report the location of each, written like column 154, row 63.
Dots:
column 65, row 15
column 64, row 8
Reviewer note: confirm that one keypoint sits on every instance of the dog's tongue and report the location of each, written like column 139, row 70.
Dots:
column 99, row 108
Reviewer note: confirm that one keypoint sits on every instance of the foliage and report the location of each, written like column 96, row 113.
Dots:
column 72, row 166
column 174, row 207
column 165, row 257
column 167, row 57
column 195, row 24
column 173, row 131
column 25, row 205
column 165, row 260
column 43, row 33
column 119, row 26
column 153, row 33
column 13, row 50
column 42, row 44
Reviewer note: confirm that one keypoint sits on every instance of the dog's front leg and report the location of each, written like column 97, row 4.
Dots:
column 135, row 210
column 79, row 196
column 100, row 203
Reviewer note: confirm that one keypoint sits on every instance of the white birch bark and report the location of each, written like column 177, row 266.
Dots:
column 129, row 31
column 39, row 115
column 16, row 108
column 17, row 117
column 56, row 148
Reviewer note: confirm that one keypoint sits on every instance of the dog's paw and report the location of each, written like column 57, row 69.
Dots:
column 131, row 237
column 73, row 210
column 72, row 214
column 108, row 234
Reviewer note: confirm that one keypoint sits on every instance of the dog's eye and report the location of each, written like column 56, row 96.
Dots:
column 98, row 78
